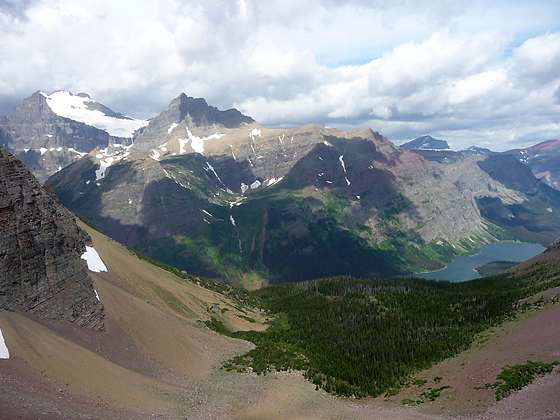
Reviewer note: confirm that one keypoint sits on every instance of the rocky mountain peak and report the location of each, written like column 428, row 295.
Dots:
column 49, row 131
column 41, row 270
column 193, row 113
column 203, row 114
column 425, row 142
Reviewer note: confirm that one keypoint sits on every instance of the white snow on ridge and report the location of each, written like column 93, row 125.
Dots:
column 75, row 107
column 94, row 261
column 197, row 143
column 171, row 128
column 4, row 353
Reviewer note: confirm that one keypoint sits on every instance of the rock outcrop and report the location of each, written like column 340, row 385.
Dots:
column 40, row 248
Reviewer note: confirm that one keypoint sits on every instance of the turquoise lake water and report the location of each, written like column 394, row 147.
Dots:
column 462, row 268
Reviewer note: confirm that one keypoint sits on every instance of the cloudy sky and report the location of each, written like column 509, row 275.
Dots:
column 472, row 72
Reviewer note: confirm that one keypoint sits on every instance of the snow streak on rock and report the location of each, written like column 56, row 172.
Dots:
column 341, row 160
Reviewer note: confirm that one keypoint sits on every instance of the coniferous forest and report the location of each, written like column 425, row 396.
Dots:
column 360, row 337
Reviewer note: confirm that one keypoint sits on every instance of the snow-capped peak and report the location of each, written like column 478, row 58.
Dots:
column 83, row 109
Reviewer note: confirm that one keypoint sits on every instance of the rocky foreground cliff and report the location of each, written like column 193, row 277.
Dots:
column 40, row 248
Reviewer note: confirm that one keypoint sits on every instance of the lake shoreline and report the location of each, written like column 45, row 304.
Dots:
column 463, row 267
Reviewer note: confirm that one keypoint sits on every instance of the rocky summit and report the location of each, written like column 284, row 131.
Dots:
column 41, row 270
column 426, row 142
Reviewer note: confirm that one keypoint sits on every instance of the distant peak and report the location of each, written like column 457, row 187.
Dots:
column 426, row 142
column 202, row 113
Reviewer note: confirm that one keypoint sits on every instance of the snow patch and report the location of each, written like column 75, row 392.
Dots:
column 197, row 143
column 232, row 220
column 107, row 159
column 4, row 353
column 172, row 127
column 97, row 295
column 244, row 187
column 273, row 181
column 43, row 150
column 326, row 143
column 255, row 184
column 26, row 150
column 341, row 160
column 77, row 108
column 103, row 165
column 93, row 260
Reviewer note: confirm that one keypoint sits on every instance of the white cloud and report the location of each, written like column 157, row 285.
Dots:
column 468, row 71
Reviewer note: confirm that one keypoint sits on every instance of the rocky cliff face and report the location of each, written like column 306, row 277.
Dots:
column 40, row 248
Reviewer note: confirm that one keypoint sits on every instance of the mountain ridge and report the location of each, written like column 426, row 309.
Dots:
column 267, row 199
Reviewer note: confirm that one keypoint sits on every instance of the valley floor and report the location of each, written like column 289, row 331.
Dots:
column 156, row 359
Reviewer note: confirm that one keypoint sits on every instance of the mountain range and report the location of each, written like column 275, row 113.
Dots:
column 215, row 193
column 91, row 329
